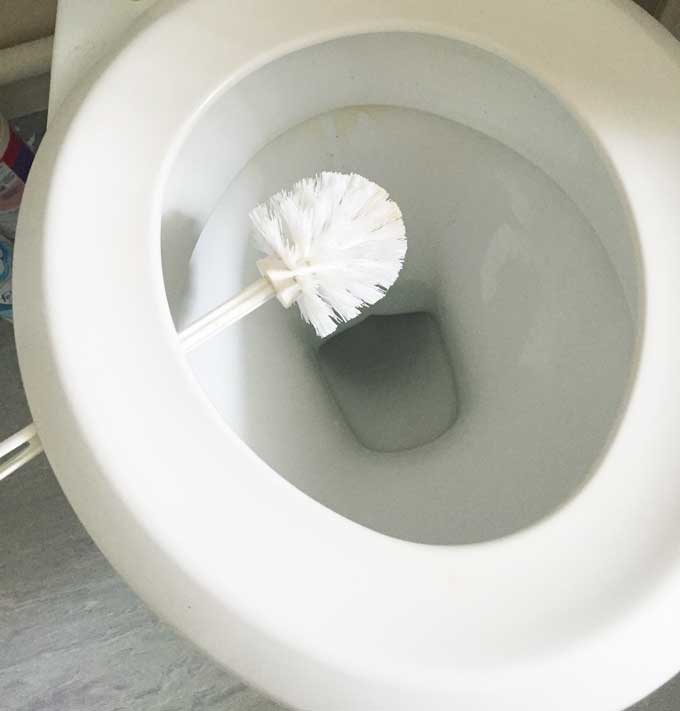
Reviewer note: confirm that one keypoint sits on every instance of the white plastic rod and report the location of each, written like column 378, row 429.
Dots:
column 27, row 60
column 18, row 449
column 21, row 447
column 233, row 310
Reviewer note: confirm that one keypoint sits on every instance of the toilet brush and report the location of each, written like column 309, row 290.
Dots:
column 333, row 244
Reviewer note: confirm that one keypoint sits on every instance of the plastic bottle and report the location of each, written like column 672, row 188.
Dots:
column 15, row 162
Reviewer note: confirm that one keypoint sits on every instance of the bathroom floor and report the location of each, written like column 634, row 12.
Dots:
column 73, row 637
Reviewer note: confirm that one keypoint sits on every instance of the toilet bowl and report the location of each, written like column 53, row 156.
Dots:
column 468, row 498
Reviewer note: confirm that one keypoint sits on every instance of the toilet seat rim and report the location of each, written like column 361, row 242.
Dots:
column 29, row 316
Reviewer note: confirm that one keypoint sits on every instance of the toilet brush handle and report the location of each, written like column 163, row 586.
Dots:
column 18, row 449
column 24, row 445
column 231, row 311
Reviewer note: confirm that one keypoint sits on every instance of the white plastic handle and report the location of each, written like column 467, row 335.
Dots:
column 21, row 447
column 231, row 311
column 18, row 449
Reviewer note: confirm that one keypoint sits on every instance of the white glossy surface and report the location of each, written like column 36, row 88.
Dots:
column 86, row 33
column 358, row 620
column 533, row 317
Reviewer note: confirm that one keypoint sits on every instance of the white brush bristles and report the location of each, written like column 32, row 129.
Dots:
column 335, row 243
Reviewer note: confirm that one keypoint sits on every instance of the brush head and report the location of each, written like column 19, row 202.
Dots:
column 334, row 243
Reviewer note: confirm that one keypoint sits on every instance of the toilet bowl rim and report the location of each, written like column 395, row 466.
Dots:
column 28, row 316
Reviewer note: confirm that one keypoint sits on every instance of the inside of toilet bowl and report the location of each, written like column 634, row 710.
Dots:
column 479, row 395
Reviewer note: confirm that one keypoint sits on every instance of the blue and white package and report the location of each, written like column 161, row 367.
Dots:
column 5, row 278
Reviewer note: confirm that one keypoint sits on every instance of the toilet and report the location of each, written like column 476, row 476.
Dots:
column 467, row 498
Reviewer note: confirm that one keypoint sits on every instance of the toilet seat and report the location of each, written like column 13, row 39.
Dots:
column 301, row 602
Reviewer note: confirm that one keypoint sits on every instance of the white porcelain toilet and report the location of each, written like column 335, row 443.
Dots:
column 470, row 498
